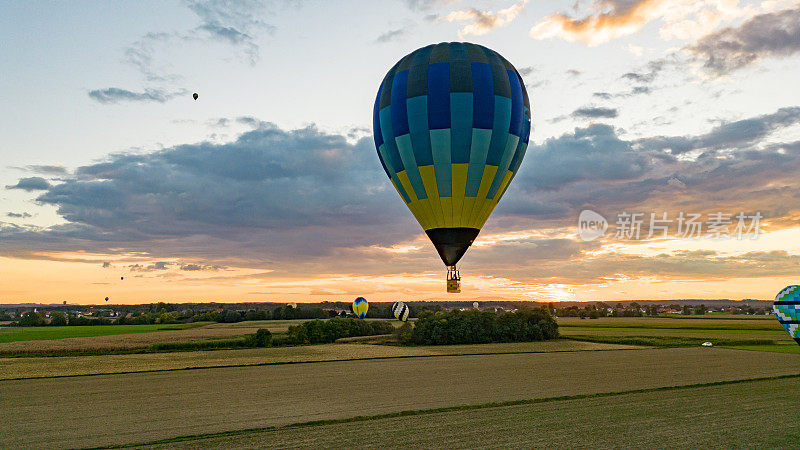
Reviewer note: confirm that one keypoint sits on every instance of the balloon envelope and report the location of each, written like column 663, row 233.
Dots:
column 194, row 96
column 451, row 124
column 787, row 309
column 360, row 307
column 400, row 311
column 475, row 305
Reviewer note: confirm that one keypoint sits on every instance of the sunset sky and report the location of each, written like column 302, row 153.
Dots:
column 269, row 188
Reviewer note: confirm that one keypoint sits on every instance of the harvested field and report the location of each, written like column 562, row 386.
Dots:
column 84, row 365
column 160, row 405
column 700, row 417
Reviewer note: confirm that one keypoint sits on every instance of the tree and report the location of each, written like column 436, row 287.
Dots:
column 687, row 310
column 57, row 319
column 31, row 319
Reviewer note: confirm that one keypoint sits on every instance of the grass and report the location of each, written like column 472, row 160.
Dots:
column 17, row 334
column 670, row 341
column 592, row 420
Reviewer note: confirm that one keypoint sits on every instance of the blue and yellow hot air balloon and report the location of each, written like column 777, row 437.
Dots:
column 787, row 309
column 451, row 125
column 360, row 307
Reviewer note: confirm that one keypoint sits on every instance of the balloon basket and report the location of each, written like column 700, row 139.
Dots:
column 453, row 280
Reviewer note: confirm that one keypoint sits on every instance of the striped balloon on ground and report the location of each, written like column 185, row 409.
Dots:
column 400, row 311
column 787, row 309
column 451, row 123
column 360, row 307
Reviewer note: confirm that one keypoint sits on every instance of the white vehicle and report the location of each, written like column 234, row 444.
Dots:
column 707, row 344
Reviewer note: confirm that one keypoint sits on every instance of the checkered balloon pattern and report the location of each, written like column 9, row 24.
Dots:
column 787, row 310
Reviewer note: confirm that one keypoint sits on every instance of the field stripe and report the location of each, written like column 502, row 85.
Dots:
column 370, row 358
column 419, row 412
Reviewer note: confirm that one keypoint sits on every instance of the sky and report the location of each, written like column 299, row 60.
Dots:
column 680, row 118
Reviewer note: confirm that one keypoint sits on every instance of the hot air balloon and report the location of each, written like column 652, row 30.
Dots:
column 121, row 278
column 292, row 305
column 451, row 123
column 400, row 311
column 194, row 96
column 475, row 305
column 106, row 298
column 787, row 309
column 360, row 307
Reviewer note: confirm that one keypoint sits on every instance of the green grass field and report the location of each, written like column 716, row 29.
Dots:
column 16, row 334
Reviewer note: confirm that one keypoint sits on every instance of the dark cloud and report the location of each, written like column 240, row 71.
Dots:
column 740, row 134
column 14, row 215
column 31, row 184
column 774, row 34
column 198, row 267
column 159, row 265
column 304, row 201
column 106, row 264
column 593, row 112
column 391, row 35
column 116, row 95
column 573, row 72
column 47, row 169
column 649, row 73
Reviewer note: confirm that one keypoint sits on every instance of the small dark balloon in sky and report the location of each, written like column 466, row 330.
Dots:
column 194, row 96
column 106, row 298
column 121, row 278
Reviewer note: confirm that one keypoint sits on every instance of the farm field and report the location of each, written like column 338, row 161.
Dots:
column 162, row 405
column 756, row 332
column 599, row 422
column 34, row 367
column 16, row 334
column 132, row 340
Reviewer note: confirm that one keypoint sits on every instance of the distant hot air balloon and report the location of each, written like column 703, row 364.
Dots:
column 360, row 307
column 292, row 305
column 106, row 298
column 787, row 309
column 121, row 278
column 451, row 124
column 65, row 302
column 194, row 96
column 475, row 305
column 400, row 311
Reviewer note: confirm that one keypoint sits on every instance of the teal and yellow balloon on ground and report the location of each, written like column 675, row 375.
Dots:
column 451, row 124
column 787, row 309
column 360, row 307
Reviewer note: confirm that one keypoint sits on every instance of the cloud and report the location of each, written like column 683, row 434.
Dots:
column 106, row 264
column 606, row 20
column 592, row 112
column 14, row 215
column 740, row 134
column 159, row 265
column 767, row 35
column 293, row 202
column 391, row 35
column 31, row 184
column 234, row 23
column 428, row 4
column 198, row 267
column 525, row 71
column 117, row 95
column 47, row 169
column 482, row 22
